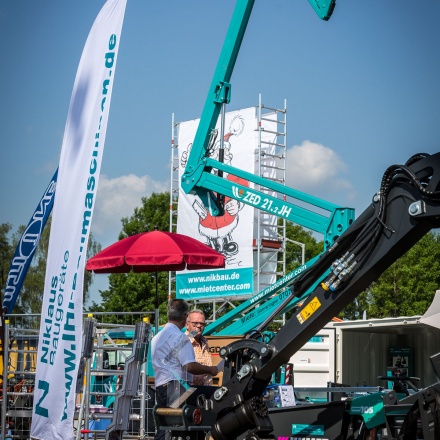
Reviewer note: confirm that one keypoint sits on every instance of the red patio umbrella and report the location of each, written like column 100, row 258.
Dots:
column 153, row 252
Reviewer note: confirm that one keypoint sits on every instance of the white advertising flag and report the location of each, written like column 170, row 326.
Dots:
column 60, row 339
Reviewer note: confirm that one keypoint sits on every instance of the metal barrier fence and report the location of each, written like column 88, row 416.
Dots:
column 112, row 345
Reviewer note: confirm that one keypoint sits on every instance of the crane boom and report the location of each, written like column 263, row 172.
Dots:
column 203, row 175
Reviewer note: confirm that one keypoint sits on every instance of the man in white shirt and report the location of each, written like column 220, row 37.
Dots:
column 173, row 358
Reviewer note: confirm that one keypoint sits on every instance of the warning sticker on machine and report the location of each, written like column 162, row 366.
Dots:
column 308, row 310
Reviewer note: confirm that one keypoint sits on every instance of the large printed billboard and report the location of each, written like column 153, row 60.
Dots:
column 232, row 233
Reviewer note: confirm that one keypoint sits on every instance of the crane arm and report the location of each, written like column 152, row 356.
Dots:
column 199, row 177
column 220, row 89
column 324, row 8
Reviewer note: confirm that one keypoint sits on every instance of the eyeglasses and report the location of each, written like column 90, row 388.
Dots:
column 201, row 324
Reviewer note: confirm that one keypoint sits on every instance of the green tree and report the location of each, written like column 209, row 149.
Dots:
column 312, row 247
column 31, row 294
column 154, row 213
column 6, row 252
column 408, row 286
column 134, row 292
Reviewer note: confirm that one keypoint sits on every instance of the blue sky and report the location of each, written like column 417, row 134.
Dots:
column 362, row 92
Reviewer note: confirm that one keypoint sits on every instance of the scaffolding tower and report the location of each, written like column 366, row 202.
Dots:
column 174, row 190
column 270, row 233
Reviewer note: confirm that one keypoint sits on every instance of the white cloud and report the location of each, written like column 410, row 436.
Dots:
column 317, row 170
column 117, row 198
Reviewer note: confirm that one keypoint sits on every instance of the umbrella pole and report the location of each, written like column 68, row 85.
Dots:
column 156, row 305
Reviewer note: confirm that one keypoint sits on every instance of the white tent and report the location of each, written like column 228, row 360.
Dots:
column 432, row 315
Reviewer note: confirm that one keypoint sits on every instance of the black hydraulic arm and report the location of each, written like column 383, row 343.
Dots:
column 406, row 207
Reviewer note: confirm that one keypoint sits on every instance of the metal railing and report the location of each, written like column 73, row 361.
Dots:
column 112, row 345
